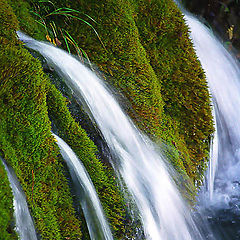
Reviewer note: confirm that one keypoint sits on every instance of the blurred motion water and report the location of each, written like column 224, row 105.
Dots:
column 164, row 214
column 219, row 199
column 97, row 225
column 24, row 223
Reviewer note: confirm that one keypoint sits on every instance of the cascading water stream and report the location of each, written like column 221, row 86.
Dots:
column 223, row 75
column 213, row 162
column 163, row 213
column 24, row 223
column 92, row 209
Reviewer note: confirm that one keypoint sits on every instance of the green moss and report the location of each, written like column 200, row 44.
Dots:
column 148, row 57
column 6, row 198
column 9, row 22
column 164, row 35
column 27, row 143
column 28, row 146
column 27, row 24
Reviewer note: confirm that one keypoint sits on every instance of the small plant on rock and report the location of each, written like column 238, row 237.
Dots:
column 47, row 12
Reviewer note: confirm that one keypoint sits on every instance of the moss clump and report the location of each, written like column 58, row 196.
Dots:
column 9, row 22
column 28, row 146
column 22, row 11
column 164, row 35
column 6, row 198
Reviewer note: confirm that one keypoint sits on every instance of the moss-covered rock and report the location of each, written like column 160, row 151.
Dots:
column 24, row 14
column 146, row 54
column 164, row 35
column 26, row 141
column 7, row 31
column 150, row 59
column 27, row 144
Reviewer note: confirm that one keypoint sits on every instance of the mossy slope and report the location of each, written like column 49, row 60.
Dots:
column 7, row 30
column 30, row 149
column 164, row 35
column 150, row 59
column 27, row 144
column 25, row 137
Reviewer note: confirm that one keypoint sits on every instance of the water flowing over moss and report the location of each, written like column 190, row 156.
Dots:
column 29, row 148
column 183, row 86
column 6, row 207
column 145, row 54
column 27, row 144
column 150, row 59
column 101, row 174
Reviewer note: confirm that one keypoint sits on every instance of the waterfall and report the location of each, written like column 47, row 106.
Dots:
column 163, row 213
column 223, row 75
column 213, row 162
column 24, row 223
column 91, row 206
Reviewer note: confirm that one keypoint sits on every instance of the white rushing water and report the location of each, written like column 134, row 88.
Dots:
column 91, row 206
column 223, row 75
column 163, row 213
column 24, row 223
column 213, row 162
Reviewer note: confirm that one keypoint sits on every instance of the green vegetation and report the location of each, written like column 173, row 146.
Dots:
column 46, row 13
column 22, row 12
column 146, row 54
column 150, row 59
column 183, row 86
column 6, row 197
column 26, row 141
column 27, row 144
